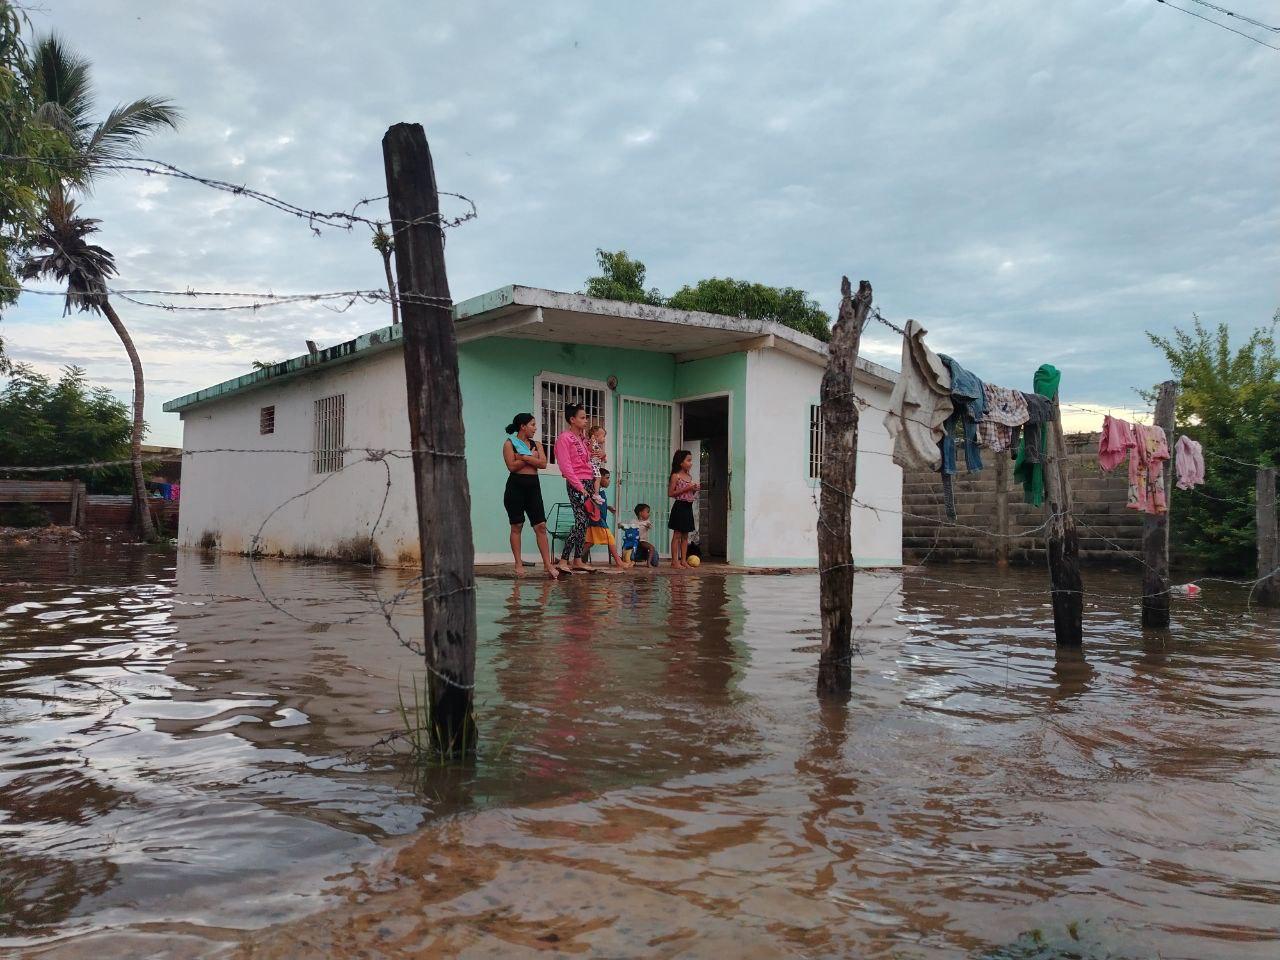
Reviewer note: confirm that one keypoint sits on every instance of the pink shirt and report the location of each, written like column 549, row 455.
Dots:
column 1189, row 462
column 684, row 490
column 1115, row 443
column 574, row 459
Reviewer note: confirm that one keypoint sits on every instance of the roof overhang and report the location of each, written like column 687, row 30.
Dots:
column 531, row 313
column 689, row 334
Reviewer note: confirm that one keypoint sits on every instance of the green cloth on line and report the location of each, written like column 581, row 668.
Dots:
column 1031, row 475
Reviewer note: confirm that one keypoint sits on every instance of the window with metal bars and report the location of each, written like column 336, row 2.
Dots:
column 815, row 441
column 267, row 420
column 552, row 395
column 330, row 415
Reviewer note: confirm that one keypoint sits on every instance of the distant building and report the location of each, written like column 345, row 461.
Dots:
column 742, row 393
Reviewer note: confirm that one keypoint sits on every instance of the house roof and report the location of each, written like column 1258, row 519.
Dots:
column 532, row 313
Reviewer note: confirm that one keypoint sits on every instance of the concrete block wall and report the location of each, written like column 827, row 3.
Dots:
column 1101, row 514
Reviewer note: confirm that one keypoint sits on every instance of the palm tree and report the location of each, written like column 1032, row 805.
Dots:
column 65, row 253
column 383, row 243
column 61, row 83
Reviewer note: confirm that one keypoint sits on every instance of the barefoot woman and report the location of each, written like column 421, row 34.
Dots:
column 574, row 460
column 524, row 457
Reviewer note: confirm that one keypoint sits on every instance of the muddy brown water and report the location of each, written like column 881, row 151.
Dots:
column 182, row 770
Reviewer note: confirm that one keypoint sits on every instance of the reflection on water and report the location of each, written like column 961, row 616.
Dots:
column 180, row 762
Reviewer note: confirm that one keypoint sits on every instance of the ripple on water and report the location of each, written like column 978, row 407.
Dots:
column 656, row 777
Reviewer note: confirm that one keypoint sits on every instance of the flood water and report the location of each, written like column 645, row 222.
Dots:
column 185, row 770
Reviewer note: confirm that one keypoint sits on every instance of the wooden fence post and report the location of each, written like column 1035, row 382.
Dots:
column 1063, row 542
column 435, row 430
column 1155, row 526
column 839, row 480
column 1268, row 539
column 1002, row 508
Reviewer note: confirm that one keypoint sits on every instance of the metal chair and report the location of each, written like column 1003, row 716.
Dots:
column 559, row 524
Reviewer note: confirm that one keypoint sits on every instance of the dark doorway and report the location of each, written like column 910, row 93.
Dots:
column 705, row 430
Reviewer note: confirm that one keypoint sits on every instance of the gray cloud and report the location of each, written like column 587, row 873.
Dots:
column 1034, row 183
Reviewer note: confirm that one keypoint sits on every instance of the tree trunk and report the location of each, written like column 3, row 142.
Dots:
column 391, row 286
column 141, row 511
column 839, row 477
column 1268, row 540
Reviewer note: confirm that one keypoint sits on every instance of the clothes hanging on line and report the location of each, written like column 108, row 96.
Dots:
column 1006, row 411
column 1189, row 462
column 1039, row 411
column 1146, row 470
column 1028, row 467
column 920, row 403
column 968, row 405
column 1115, row 443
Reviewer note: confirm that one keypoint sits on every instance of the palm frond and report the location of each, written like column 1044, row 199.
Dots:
column 116, row 137
column 62, row 251
column 61, row 77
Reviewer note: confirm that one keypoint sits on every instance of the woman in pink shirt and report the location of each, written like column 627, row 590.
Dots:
column 574, row 460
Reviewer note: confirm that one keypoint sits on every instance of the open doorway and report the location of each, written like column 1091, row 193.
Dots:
column 704, row 430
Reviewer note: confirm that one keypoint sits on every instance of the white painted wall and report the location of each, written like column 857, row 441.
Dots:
column 780, row 513
column 230, row 494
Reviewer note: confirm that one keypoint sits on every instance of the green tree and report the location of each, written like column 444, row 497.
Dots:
column 33, row 150
column 621, row 278
column 1229, row 400
column 756, row 301
column 48, row 423
column 65, row 93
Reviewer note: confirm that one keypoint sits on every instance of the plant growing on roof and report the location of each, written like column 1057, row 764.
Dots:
column 61, row 85
column 621, row 278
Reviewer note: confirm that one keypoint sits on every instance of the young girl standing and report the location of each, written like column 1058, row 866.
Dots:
column 684, row 491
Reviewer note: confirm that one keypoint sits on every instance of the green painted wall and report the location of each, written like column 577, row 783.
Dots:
column 497, row 375
column 719, row 375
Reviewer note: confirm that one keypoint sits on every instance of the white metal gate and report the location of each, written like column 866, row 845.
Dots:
column 645, row 447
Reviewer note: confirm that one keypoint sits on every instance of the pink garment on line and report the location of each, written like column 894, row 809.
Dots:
column 573, row 459
column 1189, row 462
column 1146, row 470
column 1116, row 442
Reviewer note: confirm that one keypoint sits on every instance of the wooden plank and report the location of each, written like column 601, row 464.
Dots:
column 1155, row 526
column 37, row 491
column 839, row 480
column 1268, row 592
column 1002, row 508
column 436, row 432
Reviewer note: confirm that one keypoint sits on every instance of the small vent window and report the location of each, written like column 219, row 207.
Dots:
column 815, row 441
column 330, row 415
column 267, row 420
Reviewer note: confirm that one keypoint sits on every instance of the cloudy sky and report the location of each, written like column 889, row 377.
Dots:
column 1033, row 182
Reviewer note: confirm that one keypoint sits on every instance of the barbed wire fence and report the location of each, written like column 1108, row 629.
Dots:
column 385, row 607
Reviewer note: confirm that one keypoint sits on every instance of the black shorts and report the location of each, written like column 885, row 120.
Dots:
column 524, row 496
column 681, row 520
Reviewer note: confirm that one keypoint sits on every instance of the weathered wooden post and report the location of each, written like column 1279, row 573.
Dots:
column 435, row 430
column 1002, row 508
column 1063, row 542
column 839, row 480
column 1155, row 526
column 1268, row 539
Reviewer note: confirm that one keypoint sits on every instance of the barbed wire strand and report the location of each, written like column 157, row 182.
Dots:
column 315, row 219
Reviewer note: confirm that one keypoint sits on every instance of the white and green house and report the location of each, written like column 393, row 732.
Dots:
column 742, row 394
